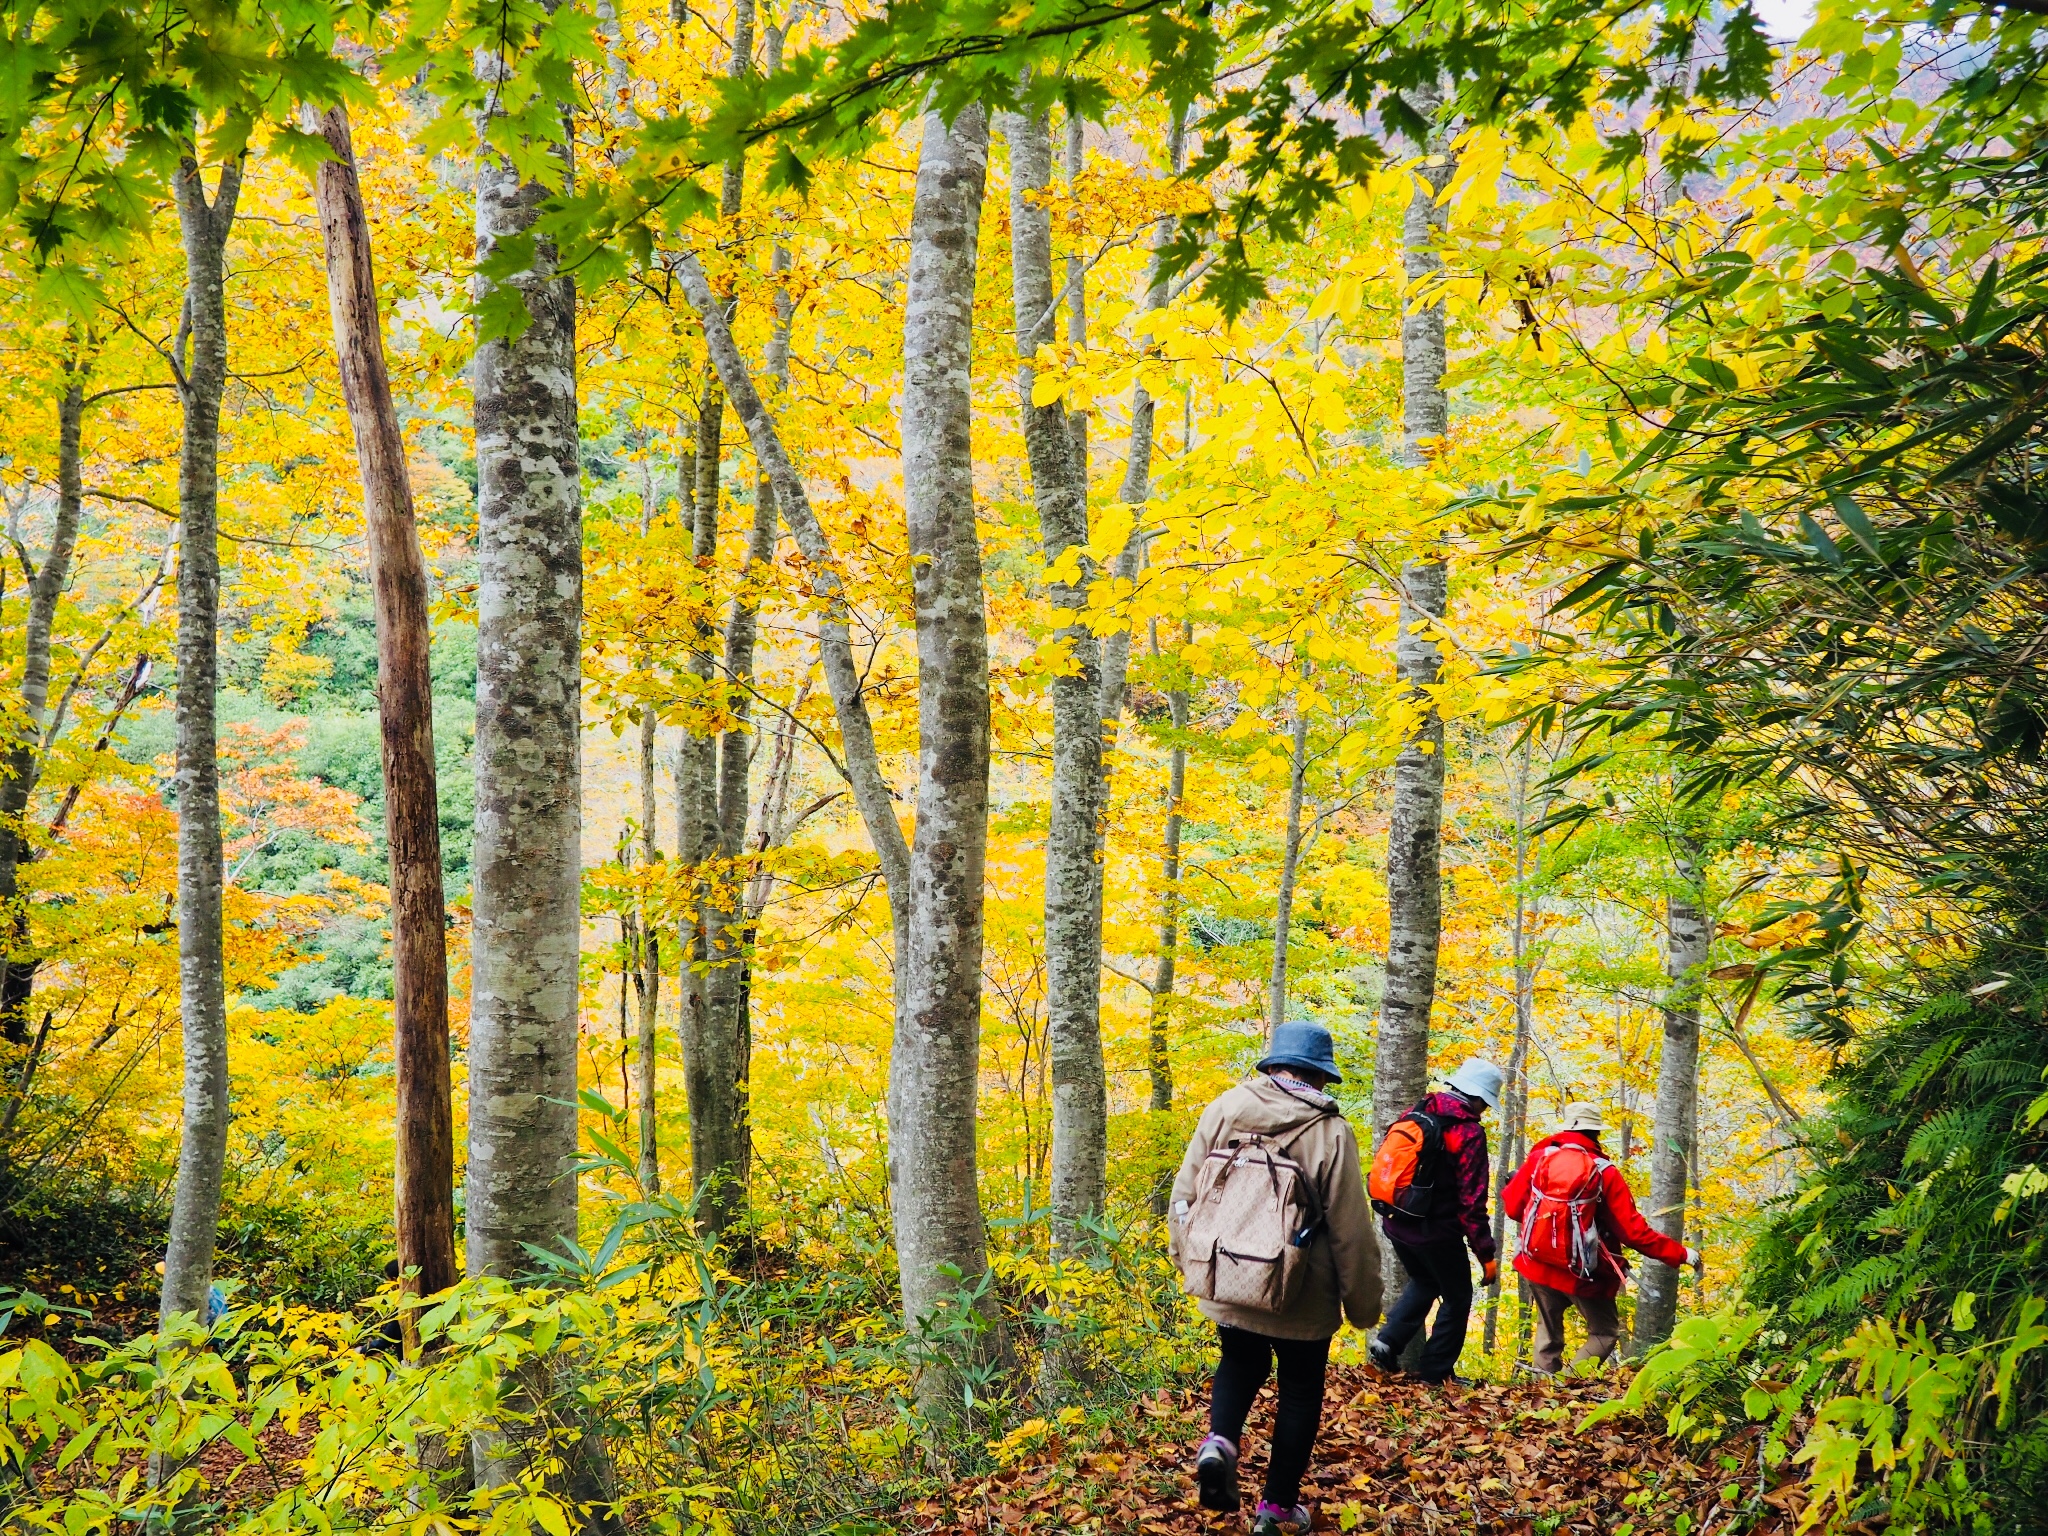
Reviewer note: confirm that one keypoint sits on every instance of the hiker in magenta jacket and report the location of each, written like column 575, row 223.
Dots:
column 1431, row 1248
column 1619, row 1224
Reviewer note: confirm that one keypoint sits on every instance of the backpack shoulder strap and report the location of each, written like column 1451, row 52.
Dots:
column 1325, row 1113
column 1313, row 1181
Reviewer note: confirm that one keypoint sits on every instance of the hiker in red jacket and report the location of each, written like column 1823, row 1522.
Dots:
column 1576, row 1214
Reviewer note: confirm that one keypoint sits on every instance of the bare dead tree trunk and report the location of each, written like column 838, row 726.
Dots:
column 1290, row 868
column 1415, row 836
column 1674, row 1129
column 23, row 763
column 941, row 1246
column 424, row 1175
column 201, row 362
column 1073, row 935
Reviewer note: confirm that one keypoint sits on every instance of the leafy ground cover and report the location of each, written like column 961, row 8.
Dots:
column 1394, row 1456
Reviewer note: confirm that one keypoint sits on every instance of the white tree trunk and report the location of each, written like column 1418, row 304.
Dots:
column 935, row 1064
column 1415, row 835
column 1672, row 1134
column 1073, row 934
column 1077, row 290
column 1414, row 842
column 528, row 866
column 203, row 1133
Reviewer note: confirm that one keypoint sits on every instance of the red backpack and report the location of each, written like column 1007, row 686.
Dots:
column 1560, row 1225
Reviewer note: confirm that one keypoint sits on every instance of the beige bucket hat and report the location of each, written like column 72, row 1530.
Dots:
column 1581, row 1116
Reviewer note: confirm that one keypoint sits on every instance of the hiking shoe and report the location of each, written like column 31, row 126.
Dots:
column 1216, row 1474
column 1451, row 1383
column 1384, row 1360
column 1277, row 1520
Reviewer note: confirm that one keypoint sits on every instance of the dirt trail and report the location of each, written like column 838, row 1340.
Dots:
column 1393, row 1457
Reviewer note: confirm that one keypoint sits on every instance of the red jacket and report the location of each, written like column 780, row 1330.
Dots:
column 1618, row 1222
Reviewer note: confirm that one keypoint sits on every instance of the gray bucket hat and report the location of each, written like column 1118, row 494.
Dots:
column 1300, row 1044
column 1478, row 1078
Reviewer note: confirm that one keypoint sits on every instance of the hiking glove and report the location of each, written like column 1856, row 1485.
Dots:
column 1697, row 1260
column 1489, row 1272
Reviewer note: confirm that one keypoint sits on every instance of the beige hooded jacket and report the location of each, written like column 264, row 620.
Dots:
column 1344, row 1268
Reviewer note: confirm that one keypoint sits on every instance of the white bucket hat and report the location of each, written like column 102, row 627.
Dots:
column 1479, row 1079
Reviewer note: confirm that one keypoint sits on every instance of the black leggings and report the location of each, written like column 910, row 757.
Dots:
column 1297, row 1415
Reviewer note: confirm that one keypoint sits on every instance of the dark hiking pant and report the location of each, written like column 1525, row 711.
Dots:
column 1437, row 1273
column 1247, row 1360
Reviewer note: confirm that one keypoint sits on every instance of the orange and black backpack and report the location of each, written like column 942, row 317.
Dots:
column 1407, row 1170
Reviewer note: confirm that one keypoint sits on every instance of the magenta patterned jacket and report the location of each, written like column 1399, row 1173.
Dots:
column 1465, row 1216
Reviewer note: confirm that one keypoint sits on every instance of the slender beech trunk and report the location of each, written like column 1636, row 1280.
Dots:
column 941, row 1246
column 1077, row 291
column 23, row 762
column 1135, row 493
column 523, row 1022
column 1672, row 1132
column 728, row 935
column 1415, row 833
column 1073, row 933
column 202, row 993
column 1515, row 1111
column 862, row 762
column 704, row 1069
column 648, row 976
column 1158, row 1045
column 1290, row 868
column 424, row 1175
column 715, row 1050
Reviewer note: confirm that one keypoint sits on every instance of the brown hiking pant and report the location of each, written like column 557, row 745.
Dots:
column 1603, row 1326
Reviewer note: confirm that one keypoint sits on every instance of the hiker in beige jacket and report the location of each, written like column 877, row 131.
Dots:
column 1287, row 1104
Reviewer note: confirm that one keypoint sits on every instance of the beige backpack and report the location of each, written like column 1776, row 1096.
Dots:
column 1248, row 1231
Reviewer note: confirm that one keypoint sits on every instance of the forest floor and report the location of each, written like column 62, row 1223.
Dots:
column 1394, row 1456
